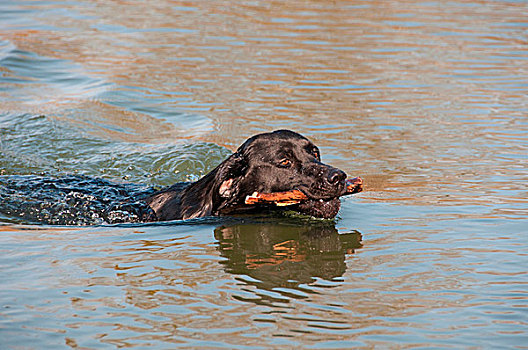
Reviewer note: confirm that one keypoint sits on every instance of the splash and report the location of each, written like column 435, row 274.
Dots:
column 72, row 200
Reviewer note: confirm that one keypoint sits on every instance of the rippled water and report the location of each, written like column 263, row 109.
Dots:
column 427, row 101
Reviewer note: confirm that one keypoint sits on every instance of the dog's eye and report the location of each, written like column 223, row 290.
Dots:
column 285, row 163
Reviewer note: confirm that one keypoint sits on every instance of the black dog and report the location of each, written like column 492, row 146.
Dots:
column 268, row 163
column 272, row 162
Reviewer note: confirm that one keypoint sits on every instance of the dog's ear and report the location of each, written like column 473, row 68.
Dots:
column 215, row 190
column 229, row 175
column 226, row 188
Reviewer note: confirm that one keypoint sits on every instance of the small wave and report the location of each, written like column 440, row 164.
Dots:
column 63, row 80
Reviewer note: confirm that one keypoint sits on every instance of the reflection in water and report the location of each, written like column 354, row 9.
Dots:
column 168, row 288
column 281, row 255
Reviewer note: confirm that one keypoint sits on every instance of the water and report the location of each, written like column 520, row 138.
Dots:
column 427, row 101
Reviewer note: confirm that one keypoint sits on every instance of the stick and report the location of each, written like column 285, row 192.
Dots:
column 291, row 197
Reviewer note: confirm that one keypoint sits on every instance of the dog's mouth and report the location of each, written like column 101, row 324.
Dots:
column 302, row 201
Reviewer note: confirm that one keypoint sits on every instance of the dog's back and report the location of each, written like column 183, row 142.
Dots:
column 72, row 200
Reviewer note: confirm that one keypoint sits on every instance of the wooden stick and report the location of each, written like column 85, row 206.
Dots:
column 279, row 198
column 285, row 198
column 354, row 185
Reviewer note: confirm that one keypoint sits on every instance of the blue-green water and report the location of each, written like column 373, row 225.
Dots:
column 426, row 101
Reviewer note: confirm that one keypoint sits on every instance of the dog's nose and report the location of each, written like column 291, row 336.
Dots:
column 335, row 176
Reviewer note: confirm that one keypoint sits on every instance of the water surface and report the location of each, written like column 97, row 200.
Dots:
column 427, row 101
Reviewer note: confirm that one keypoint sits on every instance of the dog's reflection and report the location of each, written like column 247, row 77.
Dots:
column 285, row 255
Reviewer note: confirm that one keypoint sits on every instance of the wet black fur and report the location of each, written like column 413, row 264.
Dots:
column 271, row 162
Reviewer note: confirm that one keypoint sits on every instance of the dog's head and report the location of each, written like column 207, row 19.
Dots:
column 272, row 162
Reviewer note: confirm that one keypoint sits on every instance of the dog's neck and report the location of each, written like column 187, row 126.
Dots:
column 214, row 194
column 199, row 198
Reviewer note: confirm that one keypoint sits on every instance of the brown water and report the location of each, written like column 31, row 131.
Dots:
column 427, row 101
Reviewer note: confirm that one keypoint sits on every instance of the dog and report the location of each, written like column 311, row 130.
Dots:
column 277, row 161
column 274, row 164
